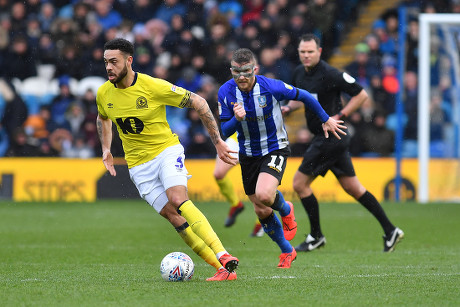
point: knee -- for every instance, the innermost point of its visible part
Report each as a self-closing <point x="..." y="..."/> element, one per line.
<point x="176" y="201"/>
<point x="265" y="197"/>
<point x="219" y="175"/>
<point x="356" y="191"/>
<point x="298" y="186"/>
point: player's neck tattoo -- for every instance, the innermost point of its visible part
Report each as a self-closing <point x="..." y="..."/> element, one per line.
<point x="246" y="71"/>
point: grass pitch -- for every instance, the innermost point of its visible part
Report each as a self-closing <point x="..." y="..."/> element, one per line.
<point x="108" y="254"/>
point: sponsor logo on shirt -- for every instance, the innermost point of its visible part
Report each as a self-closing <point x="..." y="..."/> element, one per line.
<point x="110" y="105"/>
<point x="289" y="87"/>
<point x="258" y="118"/>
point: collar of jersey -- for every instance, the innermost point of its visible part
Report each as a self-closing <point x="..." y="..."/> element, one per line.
<point x="134" y="80"/>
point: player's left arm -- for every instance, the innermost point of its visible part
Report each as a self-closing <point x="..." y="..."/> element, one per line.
<point x="201" y="106"/>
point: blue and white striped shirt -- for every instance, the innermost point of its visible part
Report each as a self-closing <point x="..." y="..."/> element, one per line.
<point x="262" y="131"/>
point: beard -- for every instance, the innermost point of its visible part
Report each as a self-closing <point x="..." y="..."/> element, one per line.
<point x="122" y="74"/>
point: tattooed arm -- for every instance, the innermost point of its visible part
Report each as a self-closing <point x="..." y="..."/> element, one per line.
<point x="201" y="106"/>
<point x="104" y="130"/>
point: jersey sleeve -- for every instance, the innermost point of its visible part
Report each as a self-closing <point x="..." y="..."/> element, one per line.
<point x="170" y="94"/>
<point x="99" y="102"/>
<point x="346" y="83"/>
<point x="225" y="110"/>
<point x="282" y="90"/>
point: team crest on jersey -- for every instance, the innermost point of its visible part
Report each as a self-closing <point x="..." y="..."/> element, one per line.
<point x="141" y="103"/>
<point x="262" y="100"/>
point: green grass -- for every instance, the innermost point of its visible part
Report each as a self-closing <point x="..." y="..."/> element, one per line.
<point x="108" y="254"/>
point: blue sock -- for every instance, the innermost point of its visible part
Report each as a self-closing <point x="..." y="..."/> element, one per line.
<point x="280" y="204"/>
<point x="273" y="228"/>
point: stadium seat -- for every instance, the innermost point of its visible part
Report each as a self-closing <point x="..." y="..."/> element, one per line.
<point x="392" y="121"/>
<point x="410" y="149"/>
<point x="17" y="83"/>
<point x="35" y="86"/>
<point x="54" y="86"/>
<point x="46" y="71"/>
<point x="92" y="82"/>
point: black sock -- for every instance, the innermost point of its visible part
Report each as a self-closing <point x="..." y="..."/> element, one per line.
<point x="311" y="206"/>
<point x="371" y="203"/>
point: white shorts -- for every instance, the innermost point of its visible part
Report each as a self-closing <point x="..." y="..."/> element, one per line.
<point x="232" y="142"/>
<point x="154" y="177"/>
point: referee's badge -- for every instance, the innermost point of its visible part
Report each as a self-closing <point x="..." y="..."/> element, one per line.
<point x="262" y="101"/>
<point x="348" y="78"/>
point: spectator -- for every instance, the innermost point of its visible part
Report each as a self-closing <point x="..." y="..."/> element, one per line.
<point x="233" y="10"/>
<point x="106" y="16"/>
<point x="46" y="16"/>
<point x="75" y="116"/>
<point x="143" y="60"/>
<point x="376" y="138"/>
<point x="249" y="37"/>
<point x="201" y="145"/>
<point x="374" y="54"/>
<point x="303" y="137"/>
<point x="190" y="80"/>
<point x="18" y="18"/>
<point x="360" y="68"/>
<point x="61" y="103"/>
<point x="69" y="63"/>
<point x="47" y="52"/>
<point x="411" y="105"/>
<point x="64" y="33"/>
<point x="4" y="142"/>
<point x="19" y="62"/>
<point x="20" y="145"/>
<point x="323" y="14"/>
<point x="15" y="111"/>
<point x="168" y="9"/>
<point x="93" y="63"/>
<point x="383" y="100"/>
<point x="412" y="40"/>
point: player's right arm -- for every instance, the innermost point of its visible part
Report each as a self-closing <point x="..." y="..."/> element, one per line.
<point x="104" y="130"/>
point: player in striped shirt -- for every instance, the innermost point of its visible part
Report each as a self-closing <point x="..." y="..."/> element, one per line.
<point x="250" y="105"/>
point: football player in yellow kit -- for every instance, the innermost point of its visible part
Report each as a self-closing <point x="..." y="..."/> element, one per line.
<point x="136" y="103"/>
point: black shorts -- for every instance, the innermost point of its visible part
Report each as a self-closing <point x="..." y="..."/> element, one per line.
<point x="328" y="154"/>
<point x="274" y="164"/>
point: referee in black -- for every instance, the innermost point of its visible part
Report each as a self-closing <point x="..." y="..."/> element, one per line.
<point x="327" y="83"/>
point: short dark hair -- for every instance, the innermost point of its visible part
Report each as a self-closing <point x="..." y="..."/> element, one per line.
<point x="121" y="44"/>
<point x="243" y="55"/>
<point x="309" y="37"/>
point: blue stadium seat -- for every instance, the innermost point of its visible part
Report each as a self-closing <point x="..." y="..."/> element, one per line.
<point x="410" y="149"/>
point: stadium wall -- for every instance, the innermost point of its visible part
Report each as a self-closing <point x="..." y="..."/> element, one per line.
<point x="74" y="180"/>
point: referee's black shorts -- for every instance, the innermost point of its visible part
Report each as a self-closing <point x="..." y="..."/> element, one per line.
<point x="328" y="154"/>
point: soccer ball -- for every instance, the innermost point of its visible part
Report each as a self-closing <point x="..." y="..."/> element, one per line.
<point x="177" y="266"/>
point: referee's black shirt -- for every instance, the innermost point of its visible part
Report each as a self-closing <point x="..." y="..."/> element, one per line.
<point x="325" y="83"/>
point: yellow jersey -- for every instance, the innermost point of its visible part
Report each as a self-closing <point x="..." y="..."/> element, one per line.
<point x="139" y="112"/>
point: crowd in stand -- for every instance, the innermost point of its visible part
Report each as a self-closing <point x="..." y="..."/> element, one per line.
<point x="189" y="43"/>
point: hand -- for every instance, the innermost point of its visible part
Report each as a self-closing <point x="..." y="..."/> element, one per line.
<point x="107" y="158"/>
<point x="334" y="126"/>
<point x="285" y="110"/>
<point x="225" y="153"/>
<point x="239" y="111"/>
